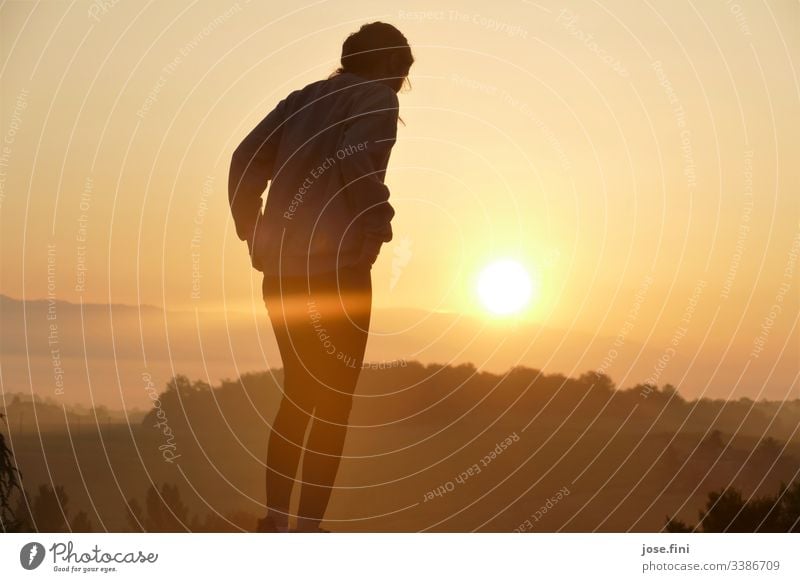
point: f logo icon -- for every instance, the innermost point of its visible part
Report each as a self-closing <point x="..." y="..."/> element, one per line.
<point x="31" y="555"/>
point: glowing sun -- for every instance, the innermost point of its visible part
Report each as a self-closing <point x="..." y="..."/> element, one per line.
<point x="505" y="287"/>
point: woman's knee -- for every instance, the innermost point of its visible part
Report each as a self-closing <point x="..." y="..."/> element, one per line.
<point x="335" y="410"/>
<point x="292" y="412"/>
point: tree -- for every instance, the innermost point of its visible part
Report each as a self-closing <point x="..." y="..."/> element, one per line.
<point x="9" y="482"/>
<point x="22" y="513"/>
<point x="163" y="512"/>
<point x="727" y="511"/>
<point x="135" y="516"/>
<point x="670" y="392"/>
<point x="677" y="526"/>
<point x="81" y="523"/>
<point x="179" y="383"/>
<point x="50" y="509"/>
<point x="600" y="381"/>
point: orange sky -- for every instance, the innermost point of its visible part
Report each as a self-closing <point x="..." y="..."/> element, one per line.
<point x="610" y="148"/>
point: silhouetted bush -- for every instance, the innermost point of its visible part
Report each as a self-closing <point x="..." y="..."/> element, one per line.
<point x="9" y="484"/>
<point x="727" y="511"/>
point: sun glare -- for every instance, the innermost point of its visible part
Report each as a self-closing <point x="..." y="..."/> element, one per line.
<point x="505" y="287"/>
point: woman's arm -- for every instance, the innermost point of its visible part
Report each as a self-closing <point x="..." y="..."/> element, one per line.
<point x="251" y="170"/>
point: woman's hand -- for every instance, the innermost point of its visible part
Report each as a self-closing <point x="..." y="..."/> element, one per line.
<point x="369" y="251"/>
<point x="253" y="248"/>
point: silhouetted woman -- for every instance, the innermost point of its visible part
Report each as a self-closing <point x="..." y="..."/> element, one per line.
<point x="324" y="149"/>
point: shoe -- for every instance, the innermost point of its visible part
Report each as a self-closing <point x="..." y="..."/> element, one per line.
<point x="267" y="525"/>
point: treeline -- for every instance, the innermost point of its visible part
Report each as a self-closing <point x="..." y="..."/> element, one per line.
<point x="436" y="394"/>
<point x="31" y="412"/>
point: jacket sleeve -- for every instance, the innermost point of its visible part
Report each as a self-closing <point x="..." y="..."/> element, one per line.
<point x="251" y="169"/>
<point x="370" y="133"/>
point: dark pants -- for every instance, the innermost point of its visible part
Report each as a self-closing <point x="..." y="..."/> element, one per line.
<point x="321" y="323"/>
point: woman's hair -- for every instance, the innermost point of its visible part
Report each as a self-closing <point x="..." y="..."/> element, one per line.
<point x="372" y="48"/>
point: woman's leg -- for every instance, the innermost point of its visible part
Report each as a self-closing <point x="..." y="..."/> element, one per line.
<point x="346" y="318"/>
<point x="288" y="429"/>
<point x="283" y="455"/>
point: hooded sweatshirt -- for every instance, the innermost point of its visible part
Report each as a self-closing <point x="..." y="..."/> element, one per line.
<point x="323" y="151"/>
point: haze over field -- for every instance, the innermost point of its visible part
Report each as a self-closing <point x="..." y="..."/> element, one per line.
<point x="101" y="357"/>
